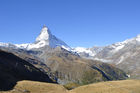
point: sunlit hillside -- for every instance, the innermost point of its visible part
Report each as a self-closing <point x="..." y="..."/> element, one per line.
<point x="125" y="86"/>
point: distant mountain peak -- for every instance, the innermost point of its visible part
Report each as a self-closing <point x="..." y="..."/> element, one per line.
<point x="45" y="38"/>
<point x="44" y="34"/>
<point x="138" y="36"/>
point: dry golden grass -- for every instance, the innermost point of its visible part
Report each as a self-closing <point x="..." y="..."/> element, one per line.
<point x="124" y="86"/>
<point x="37" y="87"/>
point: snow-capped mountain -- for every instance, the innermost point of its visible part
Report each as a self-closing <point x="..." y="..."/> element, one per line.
<point x="104" y="53"/>
<point x="83" y="50"/>
<point x="87" y="52"/>
<point x="125" y="55"/>
<point x="44" y="39"/>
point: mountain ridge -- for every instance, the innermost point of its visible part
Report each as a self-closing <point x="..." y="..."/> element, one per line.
<point x="124" y="55"/>
<point x="116" y="54"/>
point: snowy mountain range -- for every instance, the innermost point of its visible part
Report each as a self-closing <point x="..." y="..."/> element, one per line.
<point x="44" y="39"/>
<point x="122" y="54"/>
<point x="98" y="53"/>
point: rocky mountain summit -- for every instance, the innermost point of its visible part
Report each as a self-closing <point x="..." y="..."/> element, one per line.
<point x="44" y="39"/>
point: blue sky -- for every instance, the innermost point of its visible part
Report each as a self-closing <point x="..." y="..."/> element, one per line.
<point x="77" y="22"/>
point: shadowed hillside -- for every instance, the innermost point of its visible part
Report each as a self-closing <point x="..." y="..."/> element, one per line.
<point x="13" y="69"/>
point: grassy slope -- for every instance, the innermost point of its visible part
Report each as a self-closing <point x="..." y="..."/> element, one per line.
<point x="124" y="86"/>
<point x="36" y="87"/>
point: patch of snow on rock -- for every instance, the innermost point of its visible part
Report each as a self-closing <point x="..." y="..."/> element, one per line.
<point x="83" y="50"/>
<point x="103" y="60"/>
<point x="121" y="59"/>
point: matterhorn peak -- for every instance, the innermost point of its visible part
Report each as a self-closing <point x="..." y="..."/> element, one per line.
<point x="44" y="35"/>
<point x="45" y="38"/>
<point x="138" y="36"/>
